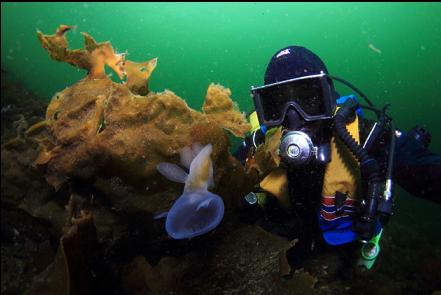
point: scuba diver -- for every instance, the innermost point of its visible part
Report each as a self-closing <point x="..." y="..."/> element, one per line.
<point x="338" y="167"/>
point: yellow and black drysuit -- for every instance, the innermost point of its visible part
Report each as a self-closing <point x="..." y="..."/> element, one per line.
<point x="341" y="186"/>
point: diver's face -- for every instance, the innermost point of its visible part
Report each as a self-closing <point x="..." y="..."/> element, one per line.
<point x="294" y="122"/>
<point x="302" y="139"/>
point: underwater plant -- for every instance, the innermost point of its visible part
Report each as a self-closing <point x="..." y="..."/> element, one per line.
<point x="97" y="125"/>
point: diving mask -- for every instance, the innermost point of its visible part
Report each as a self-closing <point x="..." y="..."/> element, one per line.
<point x="311" y="96"/>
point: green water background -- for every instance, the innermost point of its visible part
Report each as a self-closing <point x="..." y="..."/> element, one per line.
<point x="231" y="43"/>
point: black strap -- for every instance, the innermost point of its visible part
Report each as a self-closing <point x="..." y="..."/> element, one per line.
<point x="305" y="187"/>
<point x="340" y="199"/>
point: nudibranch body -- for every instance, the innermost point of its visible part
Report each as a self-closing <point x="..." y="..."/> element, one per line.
<point x="197" y="211"/>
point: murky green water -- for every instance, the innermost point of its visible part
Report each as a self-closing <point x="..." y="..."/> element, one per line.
<point x="391" y="51"/>
<point x="231" y="44"/>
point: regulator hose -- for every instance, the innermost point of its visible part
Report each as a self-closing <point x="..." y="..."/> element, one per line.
<point x="369" y="170"/>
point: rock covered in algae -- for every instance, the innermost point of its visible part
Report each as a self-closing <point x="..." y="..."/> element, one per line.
<point x="101" y="128"/>
<point x="138" y="74"/>
<point x="223" y="111"/>
<point x="140" y="277"/>
<point x="245" y="261"/>
<point x="20" y="182"/>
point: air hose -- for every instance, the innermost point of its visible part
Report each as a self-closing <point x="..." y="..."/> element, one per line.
<point x="369" y="169"/>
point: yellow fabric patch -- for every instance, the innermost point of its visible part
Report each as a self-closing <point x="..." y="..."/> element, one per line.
<point x="342" y="173"/>
<point x="276" y="183"/>
<point x="254" y="121"/>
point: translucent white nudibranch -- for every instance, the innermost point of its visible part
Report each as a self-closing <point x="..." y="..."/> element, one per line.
<point x="197" y="210"/>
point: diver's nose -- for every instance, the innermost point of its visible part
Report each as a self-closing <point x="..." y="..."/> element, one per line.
<point x="293" y="120"/>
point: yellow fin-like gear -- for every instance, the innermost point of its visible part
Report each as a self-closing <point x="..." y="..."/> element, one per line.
<point x="254" y="121"/>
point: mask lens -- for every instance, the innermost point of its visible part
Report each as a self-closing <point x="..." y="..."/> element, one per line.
<point x="273" y="103"/>
<point x="309" y="97"/>
<point x="306" y="95"/>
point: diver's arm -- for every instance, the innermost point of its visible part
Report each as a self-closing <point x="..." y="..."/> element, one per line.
<point x="416" y="169"/>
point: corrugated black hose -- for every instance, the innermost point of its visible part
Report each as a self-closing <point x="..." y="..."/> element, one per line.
<point x="369" y="170"/>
